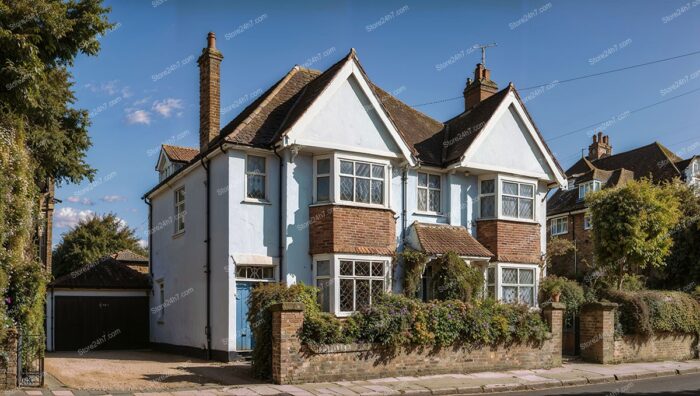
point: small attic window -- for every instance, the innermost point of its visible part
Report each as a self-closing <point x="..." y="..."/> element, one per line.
<point x="570" y="184"/>
<point x="585" y="188"/>
<point x="169" y="169"/>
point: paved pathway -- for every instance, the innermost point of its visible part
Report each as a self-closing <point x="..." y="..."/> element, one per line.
<point x="571" y="374"/>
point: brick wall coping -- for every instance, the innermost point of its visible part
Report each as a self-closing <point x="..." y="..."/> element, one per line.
<point x="345" y="205"/>
<point x="556" y="306"/>
<point x="287" y="307"/>
<point x="321" y="349"/>
<point x="599" y="305"/>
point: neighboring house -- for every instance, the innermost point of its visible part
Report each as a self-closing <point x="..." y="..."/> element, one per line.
<point x="567" y="212"/>
<point x="321" y="180"/>
<point x="103" y="305"/>
<point x="132" y="260"/>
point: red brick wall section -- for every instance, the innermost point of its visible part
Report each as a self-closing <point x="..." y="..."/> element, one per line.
<point x="293" y="362"/>
<point x="347" y="229"/>
<point x="599" y="345"/>
<point x="579" y="266"/>
<point x="511" y="241"/>
<point x="8" y="368"/>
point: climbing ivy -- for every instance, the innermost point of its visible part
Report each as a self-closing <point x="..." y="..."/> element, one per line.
<point x="414" y="265"/>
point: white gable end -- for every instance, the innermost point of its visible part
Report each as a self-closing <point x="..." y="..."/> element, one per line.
<point x="510" y="146"/>
<point x="348" y="120"/>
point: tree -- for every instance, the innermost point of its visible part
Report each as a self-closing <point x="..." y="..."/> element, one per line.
<point x="39" y="40"/>
<point x="633" y="227"/>
<point x="91" y="239"/>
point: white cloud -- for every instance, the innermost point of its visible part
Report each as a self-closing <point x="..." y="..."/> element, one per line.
<point x="166" y="107"/>
<point x="137" y="116"/>
<point x="113" y="198"/>
<point x="142" y="101"/>
<point x="143" y="243"/>
<point x="68" y="217"/>
<point x="77" y="199"/>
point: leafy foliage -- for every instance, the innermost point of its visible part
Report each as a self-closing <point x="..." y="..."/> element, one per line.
<point x="453" y="279"/>
<point x="39" y="40"/>
<point x="646" y="312"/>
<point x="414" y="265"/>
<point x="92" y="238"/>
<point x="572" y="293"/>
<point x="633" y="225"/>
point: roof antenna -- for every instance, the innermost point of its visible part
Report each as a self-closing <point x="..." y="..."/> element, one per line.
<point x="483" y="51"/>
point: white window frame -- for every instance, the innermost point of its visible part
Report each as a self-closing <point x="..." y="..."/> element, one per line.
<point x="499" y="278"/>
<point x="587" y="221"/>
<point x="518" y="197"/>
<point x="587" y="187"/>
<point x="335" y="277"/>
<point x="328" y="278"/>
<point x="498" y="192"/>
<point x="494" y="194"/>
<point x="337" y="157"/>
<point x="265" y="174"/>
<point x="428" y="189"/>
<point x="262" y="267"/>
<point x="556" y="228"/>
<point x="329" y="175"/>
<point x="180" y="210"/>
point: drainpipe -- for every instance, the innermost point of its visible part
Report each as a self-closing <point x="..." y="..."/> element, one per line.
<point x="207" y="271"/>
<point x="404" y="205"/>
<point x="150" y="237"/>
<point x="280" y="217"/>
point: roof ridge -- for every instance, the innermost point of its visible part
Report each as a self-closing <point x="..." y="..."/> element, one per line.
<point x="275" y="90"/>
<point x="669" y="156"/>
<point x="176" y="146"/>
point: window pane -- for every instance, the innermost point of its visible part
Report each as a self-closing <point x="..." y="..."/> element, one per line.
<point x="509" y="275"/>
<point x="240" y="271"/>
<point x="422" y="179"/>
<point x="377" y="192"/>
<point x="434" y="181"/>
<point x="434" y="200"/>
<point x="362" y="190"/>
<point x="510" y="206"/>
<point x="323" y="166"/>
<point x="487" y="186"/>
<point x="346" y="167"/>
<point x="324" y="294"/>
<point x="377" y="268"/>
<point x="256" y="186"/>
<point x="378" y="171"/>
<point x="362" y="268"/>
<point x="525" y="207"/>
<point x="346" y="268"/>
<point x="526" y="277"/>
<point x="268" y="273"/>
<point x="526" y="190"/>
<point x="377" y="289"/>
<point x="422" y="199"/>
<point x="362" y="293"/>
<point x="491" y="275"/>
<point x="510" y="294"/>
<point x="346" y="187"/>
<point x="323" y="268"/>
<point x="526" y="295"/>
<point x="510" y="188"/>
<point x="256" y="164"/>
<point x="346" y="295"/>
<point x="323" y="188"/>
<point x="488" y="207"/>
<point x="361" y="169"/>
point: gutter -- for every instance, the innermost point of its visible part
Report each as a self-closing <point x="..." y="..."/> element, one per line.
<point x="207" y="271"/>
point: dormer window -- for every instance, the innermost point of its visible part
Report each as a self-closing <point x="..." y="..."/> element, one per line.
<point x="585" y="188"/>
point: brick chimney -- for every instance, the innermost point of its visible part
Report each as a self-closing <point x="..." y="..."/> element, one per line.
<point x="600" y="147"/>
<point x="209" y="92"/>
<point x="480" y="88"/>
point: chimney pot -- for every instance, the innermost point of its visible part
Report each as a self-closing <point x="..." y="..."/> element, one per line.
<point x="600" y="148"/>
<point x="211" y="40"/>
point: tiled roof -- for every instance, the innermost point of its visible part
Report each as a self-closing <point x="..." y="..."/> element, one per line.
<point x="442" y="238"/>
<point x="129" y="256"/>
<point x="105" y="273"/>
<point x="179" y="153"/>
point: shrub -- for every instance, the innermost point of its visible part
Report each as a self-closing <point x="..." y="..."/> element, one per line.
<point x="453" y="279"/>
<point x="413" y="264"/>
<point x="572" y="293"/>
<point x="646" y="312"/>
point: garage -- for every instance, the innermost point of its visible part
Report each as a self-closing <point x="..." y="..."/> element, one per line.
<point x="102" y="306"/>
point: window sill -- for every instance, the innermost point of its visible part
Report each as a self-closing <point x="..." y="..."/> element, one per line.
<point x="561" y="233"/>
<point x="352" y="205"/>
<point x="256" y="201"/>
<point x="512" y="219"/>
<point x="178" y="234"/>
<point x="431" y="214"/>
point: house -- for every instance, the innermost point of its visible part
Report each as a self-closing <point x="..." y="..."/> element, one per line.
<point x="567" y="210"/>
<point x="321" y="180"/>
<point x="103" y="305"/>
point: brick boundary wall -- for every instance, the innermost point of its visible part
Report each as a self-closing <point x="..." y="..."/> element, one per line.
<point x="599" y="344"/>
<point x="294" y="362"/>
<point x="8" y="367"/>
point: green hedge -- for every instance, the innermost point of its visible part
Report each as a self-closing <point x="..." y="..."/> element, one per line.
<point x="649" y="311"/>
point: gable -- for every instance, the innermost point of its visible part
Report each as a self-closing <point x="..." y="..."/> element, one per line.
<point x="509" y="146"/>
<point x="349" y="120"/>
<point x="163" y="161"/>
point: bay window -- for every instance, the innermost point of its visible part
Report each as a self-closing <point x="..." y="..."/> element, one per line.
<point x="518" y="200"/>
<point x="323" y="180"/>
<point x="503" y="197"/>
<point x="512" y="283"/>
<point x="428" y="192"/>
<point x="351" y="179"/>
<point x="487" y="199"/>
<point x="349" y="283"/>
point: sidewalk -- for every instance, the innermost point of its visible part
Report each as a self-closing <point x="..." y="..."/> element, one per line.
<point x="571" y="374"/>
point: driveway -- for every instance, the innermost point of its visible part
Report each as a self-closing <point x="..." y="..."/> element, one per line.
<point x="142" y="370"/>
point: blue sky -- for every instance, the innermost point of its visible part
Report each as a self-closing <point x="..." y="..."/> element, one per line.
<point x="142" y="89"/>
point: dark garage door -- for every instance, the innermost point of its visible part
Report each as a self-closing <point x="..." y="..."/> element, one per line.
<point x="88" y="323"/>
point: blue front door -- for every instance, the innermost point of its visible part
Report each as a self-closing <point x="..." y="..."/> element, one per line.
<point x="244" y="336"/>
